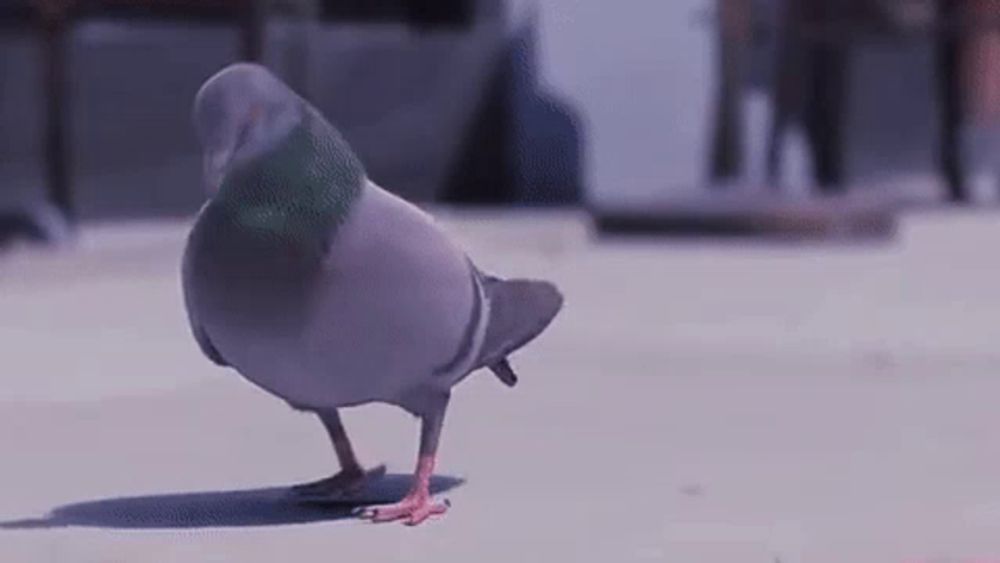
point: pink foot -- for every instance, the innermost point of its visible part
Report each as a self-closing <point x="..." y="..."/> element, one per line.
<point x="415" y="509"/>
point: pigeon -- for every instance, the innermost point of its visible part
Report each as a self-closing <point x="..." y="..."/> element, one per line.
<point x="322" y="288"/>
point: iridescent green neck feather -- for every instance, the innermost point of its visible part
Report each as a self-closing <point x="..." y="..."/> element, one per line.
<point x="301" y="190"/>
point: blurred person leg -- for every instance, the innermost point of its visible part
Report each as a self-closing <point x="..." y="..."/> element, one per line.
<point x="826" y="90"/>
<point x="810" y="88"/>
<point x="825" y="115"/>
<point x="980" y="82"/>
<point x="786" y="87"/>
<point x="728" y="156"/>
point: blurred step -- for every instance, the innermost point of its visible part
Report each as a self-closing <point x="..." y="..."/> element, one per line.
<point x="755" y="214"/>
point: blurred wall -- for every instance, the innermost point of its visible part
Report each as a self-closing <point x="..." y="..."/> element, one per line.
<point x="410" y="101"/>
<point x="20" y="124"/>
<point x="641" y="77"/>
<point x="893" y="124"/>
<point x="132" y="146"/>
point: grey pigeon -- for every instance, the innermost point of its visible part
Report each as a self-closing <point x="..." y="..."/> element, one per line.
<point x="328" y="291"/>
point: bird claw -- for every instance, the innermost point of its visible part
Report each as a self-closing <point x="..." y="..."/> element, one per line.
<point x="414" y="509"/>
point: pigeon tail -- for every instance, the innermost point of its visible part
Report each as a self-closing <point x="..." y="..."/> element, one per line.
<point x="519" y="311"/>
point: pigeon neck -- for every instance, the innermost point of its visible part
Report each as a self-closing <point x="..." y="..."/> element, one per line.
<point x="301" y="189"/>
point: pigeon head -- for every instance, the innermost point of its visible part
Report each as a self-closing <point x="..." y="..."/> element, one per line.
<point x="240" y="113"/>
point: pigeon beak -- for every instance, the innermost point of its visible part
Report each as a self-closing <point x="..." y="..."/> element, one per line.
<point x="214" y="165"/>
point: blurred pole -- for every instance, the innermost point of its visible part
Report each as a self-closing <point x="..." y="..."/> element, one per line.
<point x="252" y="29"/>
<point x="728" y="143"/>
<point x="54" y="16"/>
<point x="949" y="82"/>
<point x="303" y="17"/>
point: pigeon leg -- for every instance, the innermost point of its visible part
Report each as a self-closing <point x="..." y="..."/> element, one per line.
<point x="417" y="506"/>
<point x="351" y="478"/>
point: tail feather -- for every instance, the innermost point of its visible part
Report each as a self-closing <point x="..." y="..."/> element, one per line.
<point x="519" y="311"/>
<point x="504" y="372"/>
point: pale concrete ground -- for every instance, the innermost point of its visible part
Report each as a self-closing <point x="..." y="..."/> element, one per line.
<point x="700" y="401"/>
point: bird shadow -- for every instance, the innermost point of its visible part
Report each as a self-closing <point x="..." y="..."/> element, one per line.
<point x="271" y="506"/>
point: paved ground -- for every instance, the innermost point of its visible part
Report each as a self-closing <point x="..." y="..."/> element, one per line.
<point x="698" y="401"/>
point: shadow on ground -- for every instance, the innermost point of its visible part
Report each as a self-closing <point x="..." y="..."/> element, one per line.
<point x="252" y="507"/>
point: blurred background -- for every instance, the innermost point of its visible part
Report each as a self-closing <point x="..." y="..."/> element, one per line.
<point x="773" y="221"/>
<point x="517" y="102"/>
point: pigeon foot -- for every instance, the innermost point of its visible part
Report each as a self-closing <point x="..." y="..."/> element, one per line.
<point x="416" y="508"/>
